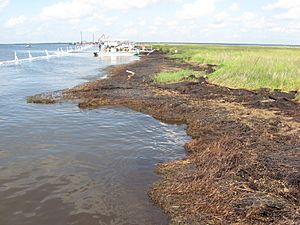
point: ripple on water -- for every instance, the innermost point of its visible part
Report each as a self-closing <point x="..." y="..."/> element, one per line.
<point x="62" y="165"/>
<point x="89" y="169"/>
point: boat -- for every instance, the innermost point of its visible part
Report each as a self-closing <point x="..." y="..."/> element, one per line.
<point x="114" y="48"/>
<point x="28" y="46"/>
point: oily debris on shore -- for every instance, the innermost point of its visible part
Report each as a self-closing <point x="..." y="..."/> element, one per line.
<point x="243" y="163"/>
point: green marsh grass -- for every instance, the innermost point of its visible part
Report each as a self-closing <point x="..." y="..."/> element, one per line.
<point x="247" y="67"/>
<point x="297" y="97"/>
<point x="175" y="76"/>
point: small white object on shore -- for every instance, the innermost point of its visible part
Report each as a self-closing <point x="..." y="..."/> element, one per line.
<point x="131" y="74"/>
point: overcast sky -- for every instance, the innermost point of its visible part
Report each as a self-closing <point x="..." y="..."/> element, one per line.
<point x="230" y="21"/>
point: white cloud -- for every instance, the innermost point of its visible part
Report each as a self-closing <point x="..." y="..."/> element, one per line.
<point x="198" y="8"/>
<point x="75" y="9"/>
<point x="153" y="30"/>
<point x="66" y="10"/>
<point x="172" y="24"/>
<point x="105" y="20"/>
<point x="3" y="3"/>
<point x="252" y="21"/>
<point x="13" y="22"/>
<point x="283" y="4"/>
<point x="220" y="20"/>
<point x="216" y="25"/>
<point x="142" y="22"/>
<point x="158" y="21"/>
<point x="221" y="17"/>
<point x="292" y="8"/>
<point x="129" y="32"/>
<point x="234" y="7"/>
<point x="123" y="5"/>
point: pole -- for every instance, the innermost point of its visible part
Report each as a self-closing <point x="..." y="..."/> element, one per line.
<point x="81" y="36"/>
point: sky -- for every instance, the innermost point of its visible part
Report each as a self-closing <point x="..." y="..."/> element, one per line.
<point x="201" y="21"/>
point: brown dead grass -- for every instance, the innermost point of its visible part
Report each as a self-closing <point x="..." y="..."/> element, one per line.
<point x="224" y="182"/>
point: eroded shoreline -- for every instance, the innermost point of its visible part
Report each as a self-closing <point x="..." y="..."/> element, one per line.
<point x="242" y="165"/>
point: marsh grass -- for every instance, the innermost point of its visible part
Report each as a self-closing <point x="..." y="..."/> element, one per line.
<point x="176" y="76"/>
<point x="247" y="67"/>
<point x="297" y="98"/>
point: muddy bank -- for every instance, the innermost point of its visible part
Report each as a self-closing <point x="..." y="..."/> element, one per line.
<point x="242" y="165"/>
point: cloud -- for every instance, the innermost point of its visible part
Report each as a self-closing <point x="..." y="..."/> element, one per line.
<point x="66" y="10"/>
<point x="16" y="21"/>
<point x="76" y="9"/>
<point x="129" y="32"/>
<point x="234" y="7"/>
<point x="216" y="25"/>
<point x="172" y="24"/>
<point x="252" y="21"/>
<point x="3" y="3"/>
<point x="123" y="5"/>
<point x="220" y="20"/>
<point x="198" y="8"/>
<point x="221" y="17"/>
<point x="291" y="8"/>
<point x="283" y="4"/>
<point x="105" y="20"/>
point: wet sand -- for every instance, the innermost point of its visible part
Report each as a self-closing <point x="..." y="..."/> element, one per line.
<point x="243" y="162"/>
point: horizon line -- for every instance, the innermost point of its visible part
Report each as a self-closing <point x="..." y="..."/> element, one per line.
<point x="170" y="42"/>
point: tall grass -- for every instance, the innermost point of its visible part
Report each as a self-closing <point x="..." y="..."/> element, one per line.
<point x="174" y="76"/>
<point x="245" y="66"/>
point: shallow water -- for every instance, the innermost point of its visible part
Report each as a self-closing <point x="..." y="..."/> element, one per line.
<point x="63" y="165"/>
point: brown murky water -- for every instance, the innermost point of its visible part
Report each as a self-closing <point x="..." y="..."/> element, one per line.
<point x="60" y="165"/>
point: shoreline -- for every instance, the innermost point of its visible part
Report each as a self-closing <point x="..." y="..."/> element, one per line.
<point x="241" y="165"/>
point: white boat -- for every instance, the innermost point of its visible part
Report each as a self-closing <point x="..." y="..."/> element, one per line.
<point x="115" y="48"/>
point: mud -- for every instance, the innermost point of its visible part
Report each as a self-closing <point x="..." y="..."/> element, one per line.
<point x="243" y="163"/>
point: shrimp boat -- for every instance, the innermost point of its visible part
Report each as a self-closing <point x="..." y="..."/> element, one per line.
<point x="115" y="48"/>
